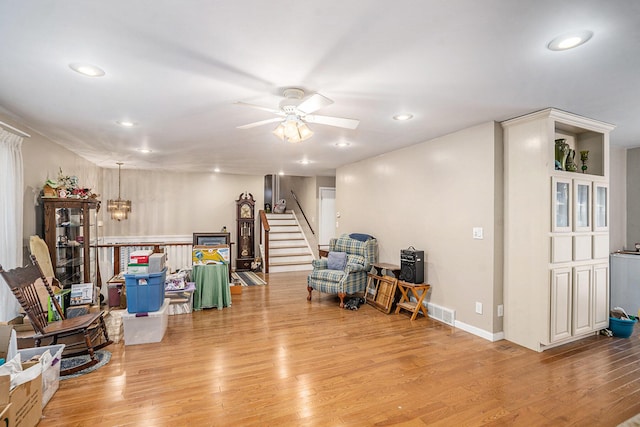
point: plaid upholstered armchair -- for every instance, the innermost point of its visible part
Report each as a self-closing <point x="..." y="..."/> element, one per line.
<point x="351" y="278"/>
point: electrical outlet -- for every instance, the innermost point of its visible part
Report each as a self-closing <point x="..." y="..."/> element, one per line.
<point x="479" y="307"/>
<point x="500" y="310"/>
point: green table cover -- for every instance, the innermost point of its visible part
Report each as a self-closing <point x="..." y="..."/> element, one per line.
<point x="212" y="286"/>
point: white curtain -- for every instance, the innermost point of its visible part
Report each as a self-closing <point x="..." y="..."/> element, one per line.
<point x="11" y="207"/>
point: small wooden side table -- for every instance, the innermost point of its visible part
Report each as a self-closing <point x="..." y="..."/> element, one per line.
<point x="379" y="266"/>
<point x="418" y="291"/>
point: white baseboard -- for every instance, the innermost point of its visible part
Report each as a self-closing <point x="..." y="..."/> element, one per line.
<point x="480" y="332"/>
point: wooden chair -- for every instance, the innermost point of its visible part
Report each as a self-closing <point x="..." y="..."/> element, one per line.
<point x="82" y="334"/>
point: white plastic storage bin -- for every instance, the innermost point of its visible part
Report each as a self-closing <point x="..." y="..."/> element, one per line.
<point x="50" y="368"/>
<point x="144" y="328"/>
<point x="181" y="300"/>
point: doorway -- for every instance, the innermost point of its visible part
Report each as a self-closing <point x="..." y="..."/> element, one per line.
<point x="327" y="223"/>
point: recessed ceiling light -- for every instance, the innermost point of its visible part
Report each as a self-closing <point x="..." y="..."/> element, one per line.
<point x="342" y="144"/>
<point x="402" y="117"/>
<point x="144" y="150"/>
<point x="304" y="162"/>
<point x="281" y="173"/>
<point x="87" y="69"/>
<point x="126" y="123"/>
<point x="216" y="170"/>
<point x="570" y="40"/>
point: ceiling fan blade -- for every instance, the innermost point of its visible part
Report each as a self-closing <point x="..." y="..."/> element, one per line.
<point x="259" y="107"/>
<point x="333" y="121"/>
<point x="260" y="123"/>
<point x="314" y="103"/>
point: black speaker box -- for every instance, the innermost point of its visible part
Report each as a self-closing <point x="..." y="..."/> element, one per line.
<point x="412" y="266"/>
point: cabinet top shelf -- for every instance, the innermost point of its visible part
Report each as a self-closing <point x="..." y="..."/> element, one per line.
<point x="563" y="120"/>
<point x="70" y="202"/>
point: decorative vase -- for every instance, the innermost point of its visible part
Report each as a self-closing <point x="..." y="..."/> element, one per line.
<point x="562" y="150"/>
<point x="584" y="157"/>
<point x="570" y="164"/>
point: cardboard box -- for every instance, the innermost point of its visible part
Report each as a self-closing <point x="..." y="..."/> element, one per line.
<point x="215" y="254"/>
<point x="81" y="293"/>
<point x="138" y="269"/>
<point x="140" y="257"/>
<point x="5" y="382"/>
<point x="157" y="262"/>
<point x="26" y="399"/>
<point x="5" y="420"/>
<point x="64" y="297"/>
<point x="5" y="406"/>
<point x="8" y="342"/>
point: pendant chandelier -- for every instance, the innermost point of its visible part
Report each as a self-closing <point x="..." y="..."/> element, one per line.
<point x="119" y="208"/>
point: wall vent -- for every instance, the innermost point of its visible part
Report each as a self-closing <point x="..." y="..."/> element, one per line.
<point x="445" y="315"/>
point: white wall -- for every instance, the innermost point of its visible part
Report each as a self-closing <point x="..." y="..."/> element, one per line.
<point x="618" y="199"/>
<point x="430" y="196"/>
<point x="633" y="197"/>
<point x="172" y="203"/>
<point x="42" y="160"/>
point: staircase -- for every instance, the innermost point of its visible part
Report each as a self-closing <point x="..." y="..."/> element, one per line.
<point x="288" y="248"/>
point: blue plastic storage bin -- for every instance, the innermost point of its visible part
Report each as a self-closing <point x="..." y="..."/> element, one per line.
<point x="145" y="292"/>
<point x="622" y="328"/>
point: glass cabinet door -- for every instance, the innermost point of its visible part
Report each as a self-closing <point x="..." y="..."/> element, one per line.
<point x="561" y="204"/>
<point x="600" y="214"/>
<point x="69" y="245"/>
<point x="582" y="191"/>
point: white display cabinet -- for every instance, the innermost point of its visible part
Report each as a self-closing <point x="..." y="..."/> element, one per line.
<point x="556" y="229"/>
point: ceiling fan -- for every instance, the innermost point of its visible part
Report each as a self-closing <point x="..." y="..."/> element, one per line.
<point x="294" y="114"/>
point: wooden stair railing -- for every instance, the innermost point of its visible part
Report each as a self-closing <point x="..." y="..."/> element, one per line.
<point x="264" y="226"/>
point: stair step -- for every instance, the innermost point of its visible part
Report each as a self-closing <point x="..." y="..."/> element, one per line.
<point x="302" y="250"/>
<point x="292" y="267"/>
<point x="287" y="244"/>
<point x="272" y="216"/>
<point x="290" y="259"/>
<point x="286" y="236"/>
<point x="291" y="221"/>
<point x="284" y="229"/>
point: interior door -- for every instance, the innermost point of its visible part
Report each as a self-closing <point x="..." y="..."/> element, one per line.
<point x="327" y="223"/>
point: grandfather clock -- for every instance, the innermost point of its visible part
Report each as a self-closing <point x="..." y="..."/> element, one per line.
<point x="245" y="231"/>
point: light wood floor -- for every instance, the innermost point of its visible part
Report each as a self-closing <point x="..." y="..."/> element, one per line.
<point x="274" y="359"/>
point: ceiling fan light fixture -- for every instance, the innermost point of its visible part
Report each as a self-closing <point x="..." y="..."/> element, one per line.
<point x="304" y="131"/>
<point x="293" y="130"/>
<point x="279" y="131"/>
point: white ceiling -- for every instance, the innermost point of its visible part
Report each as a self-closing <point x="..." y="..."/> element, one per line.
<point x="178" y="67"/>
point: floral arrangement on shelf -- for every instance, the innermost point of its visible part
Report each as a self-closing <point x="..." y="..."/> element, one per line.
<point x="66" y="187"/>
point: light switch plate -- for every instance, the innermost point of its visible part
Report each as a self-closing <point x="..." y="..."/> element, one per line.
<point x="478" y="233"/>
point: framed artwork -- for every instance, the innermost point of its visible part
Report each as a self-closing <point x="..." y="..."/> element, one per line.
<point x="211" y="239"/>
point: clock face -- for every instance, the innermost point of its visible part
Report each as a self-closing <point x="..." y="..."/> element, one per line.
<point x="245" y="211"/>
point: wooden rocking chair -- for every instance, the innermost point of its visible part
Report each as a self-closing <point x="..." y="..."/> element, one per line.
<point x="87" y="328"/>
